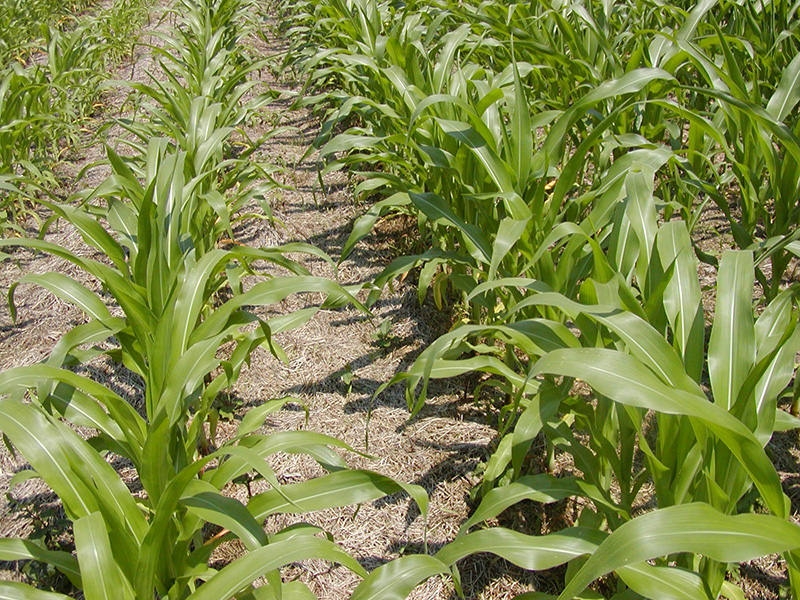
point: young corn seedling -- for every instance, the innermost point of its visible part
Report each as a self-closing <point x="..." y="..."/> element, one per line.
<point x="704" y="460"/>
<point x="44" y="102"/>
<point x="156" y="542"/>
<point x="490" y="210"/>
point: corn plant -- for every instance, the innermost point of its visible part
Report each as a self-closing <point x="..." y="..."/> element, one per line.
<point x="135" y="546"/>
<point x="761" y="143"/>
<point x="197" y="108"/>
<point x="385" y="64"/>
<point x="21" y="20"/>
<point x="463" y="149"/>
<point x="544" y="149"/>
<point x="226" y="178"/>
<point x="26" y="135"/>
<point x="694" y="451"/>
<point x="205" y="51"/>
<point x="76" y="65"/>
<point x="156" y="542"/>
<point x="478" y="164"/>
<point x="702" y="458"/>
<point x="45" y="101"/>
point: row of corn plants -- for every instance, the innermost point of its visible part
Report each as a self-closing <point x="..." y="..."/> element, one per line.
<point x="50" y="81"/>
<point x="177" y="310"/>
<point x="22" y="21"/>
<point x="559" y="159"/>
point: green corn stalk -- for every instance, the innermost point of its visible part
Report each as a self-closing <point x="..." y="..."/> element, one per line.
<point x="641" y="348"/>
<point x="690" y="450"/>
<point x="460" y="147"/>
<point x="738" y="98"/>
<point x="45" y="103"/>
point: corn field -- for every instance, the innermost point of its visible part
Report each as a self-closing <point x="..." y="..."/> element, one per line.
<point x="598" y="201"/>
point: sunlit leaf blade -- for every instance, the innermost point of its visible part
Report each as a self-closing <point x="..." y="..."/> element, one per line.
<point x="335" y="489"/>
<point x="396" y="579"/>
<point x="13" y="549"/>
<point x="101" y="576"/>
<point x="731" y="349"/>
<point x="12" y="590"/>
<point x="243" y="571"/>
<point x="696" y="528"/>
<point x="625" y="380"/>
<point x="526" y="551"/>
